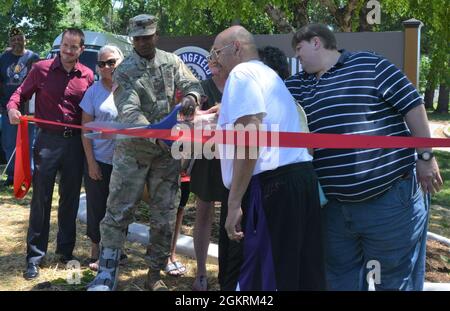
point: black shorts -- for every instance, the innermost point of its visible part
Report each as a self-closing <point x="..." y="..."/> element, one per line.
<point x="206" y="180"/>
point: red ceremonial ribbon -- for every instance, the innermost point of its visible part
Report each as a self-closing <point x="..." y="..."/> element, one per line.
<point x="22" y="173"/>
<point x="22" y="169"/>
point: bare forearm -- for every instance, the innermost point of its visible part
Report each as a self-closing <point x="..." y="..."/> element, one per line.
<point x="88" y="151"/>
<point x="417" y="122"/>
<point x="87" y="143"/>
<point x="243" y="168"/>
<point x="242" y="174"/>
<point x="428" y="173"/>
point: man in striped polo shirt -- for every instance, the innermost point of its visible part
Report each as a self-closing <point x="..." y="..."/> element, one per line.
<point x="378" y="198"/>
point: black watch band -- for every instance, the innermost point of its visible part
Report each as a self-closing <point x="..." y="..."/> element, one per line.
<point x="425" y="155"/>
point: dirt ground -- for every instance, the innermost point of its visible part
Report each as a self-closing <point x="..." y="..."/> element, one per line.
<point x="438" y="262"/>
<point x="54" y="275"/>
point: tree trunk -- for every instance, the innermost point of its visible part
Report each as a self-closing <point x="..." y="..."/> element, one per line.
<point x="301" y="16"/>
<point x="342" y="15"/>
<point x="443" y="99"/>
<point x="279" y="19"/>
<point x="429" y="97"/>
<point x="363" y="24"/>
<point x="344" y="20"/>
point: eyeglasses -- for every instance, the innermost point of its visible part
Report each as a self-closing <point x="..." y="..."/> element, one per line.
<point x="214" y="54"/>
<point x="109" y="62"/>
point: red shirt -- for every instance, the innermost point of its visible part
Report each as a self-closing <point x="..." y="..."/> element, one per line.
<point x="58" y="93"/>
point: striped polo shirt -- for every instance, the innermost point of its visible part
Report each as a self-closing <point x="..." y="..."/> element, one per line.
<point x="362" y="94"/>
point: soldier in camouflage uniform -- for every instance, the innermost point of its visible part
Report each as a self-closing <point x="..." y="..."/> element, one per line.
<point x="146" y="82"/>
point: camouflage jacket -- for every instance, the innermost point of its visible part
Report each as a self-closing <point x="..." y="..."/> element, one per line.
<point x="145" y="90"/>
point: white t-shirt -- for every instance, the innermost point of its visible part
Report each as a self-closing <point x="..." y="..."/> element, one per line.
<point x="254" y="88"/>
<point x="99" y="103"/>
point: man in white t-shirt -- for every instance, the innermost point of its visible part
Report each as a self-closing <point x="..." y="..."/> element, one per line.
<point x="273" y="204"/>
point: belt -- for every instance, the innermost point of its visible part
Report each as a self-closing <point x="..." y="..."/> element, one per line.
<point x="66" y="133"/>
<point x="300" y="167"/>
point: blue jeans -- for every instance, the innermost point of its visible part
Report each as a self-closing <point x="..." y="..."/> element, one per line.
<point x="9" y="134"/>
<point x="390" y="229"/>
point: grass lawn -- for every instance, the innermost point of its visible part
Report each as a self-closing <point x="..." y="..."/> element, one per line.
<point x="440" y="202"/>
<point x="443" y="197"/>
<point x="437" y="117"/>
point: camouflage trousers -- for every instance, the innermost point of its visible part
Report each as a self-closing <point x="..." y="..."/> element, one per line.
<point x="132" y="169"/>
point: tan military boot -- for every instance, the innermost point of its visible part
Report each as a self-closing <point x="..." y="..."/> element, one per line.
<point x="154" y="282"/>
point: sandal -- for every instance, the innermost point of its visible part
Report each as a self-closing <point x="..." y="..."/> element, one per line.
<point x="200" y="284"/>
<point x="180" y="267"/>
<point x="175" y="268"/>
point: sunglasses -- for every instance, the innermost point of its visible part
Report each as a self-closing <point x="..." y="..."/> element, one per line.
<point x="109" y="62"/>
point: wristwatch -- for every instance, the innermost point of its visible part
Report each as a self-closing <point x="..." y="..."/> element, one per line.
<point x="425" y="156"/>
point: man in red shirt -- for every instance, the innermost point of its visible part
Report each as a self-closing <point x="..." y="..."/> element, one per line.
<point x="59" y="85"/>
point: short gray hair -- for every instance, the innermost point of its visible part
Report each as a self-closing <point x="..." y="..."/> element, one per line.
<point x="113" y="49"/>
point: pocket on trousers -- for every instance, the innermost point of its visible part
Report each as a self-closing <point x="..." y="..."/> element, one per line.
<point x="405" y="190"/>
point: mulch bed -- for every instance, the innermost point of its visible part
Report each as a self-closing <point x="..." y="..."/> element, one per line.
<point x="438" y="262"/>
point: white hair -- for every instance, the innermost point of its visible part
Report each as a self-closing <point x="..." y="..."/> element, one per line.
<point x="113" y="49"/>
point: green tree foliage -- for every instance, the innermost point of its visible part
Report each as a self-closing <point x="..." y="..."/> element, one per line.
<point x="44" y="19"/>
<point x="39" y="20"/>
<point x="434" y="42"/>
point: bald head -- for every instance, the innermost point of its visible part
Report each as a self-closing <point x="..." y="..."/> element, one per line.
<point x="238" y="33"/>
<point x="241" y="35"/>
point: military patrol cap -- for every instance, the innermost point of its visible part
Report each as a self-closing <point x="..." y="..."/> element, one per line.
<point x="142" y="25"/>
<point x="14" y="31"/>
